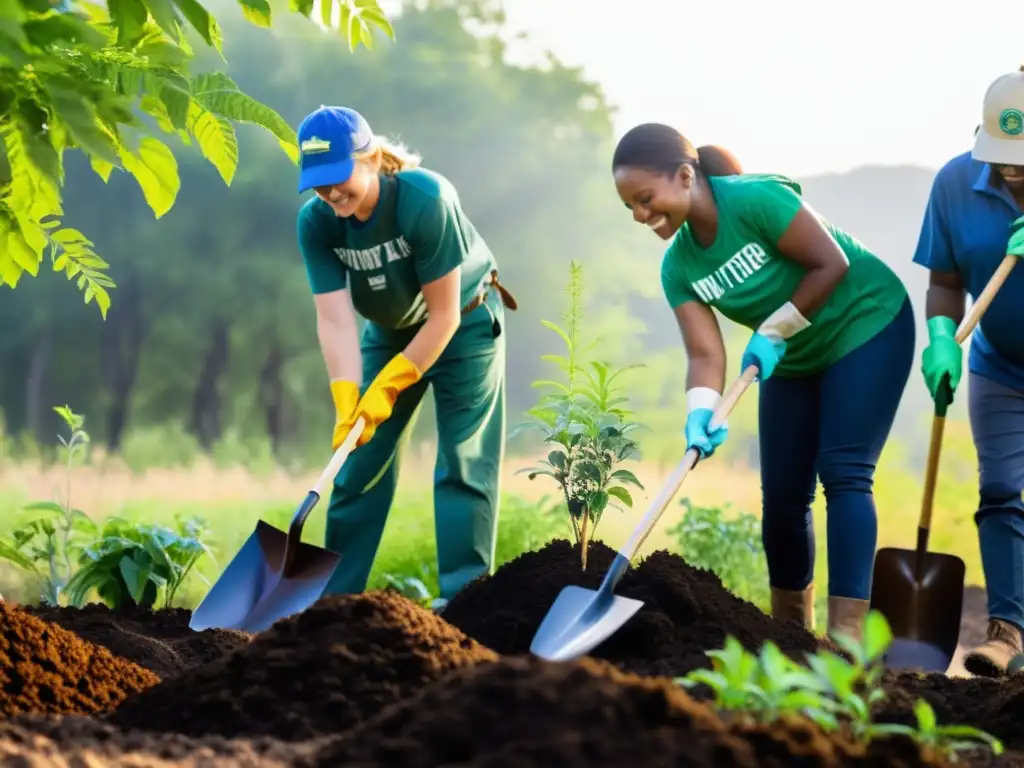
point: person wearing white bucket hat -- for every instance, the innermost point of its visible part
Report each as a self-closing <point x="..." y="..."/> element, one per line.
<point x="972" y="221"/>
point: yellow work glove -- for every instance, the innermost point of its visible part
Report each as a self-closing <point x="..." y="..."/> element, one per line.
<point x="346" y="397"/>
<point x="375" y="406"/>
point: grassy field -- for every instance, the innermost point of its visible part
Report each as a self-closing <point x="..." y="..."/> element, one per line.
<point x="233" y="499"/>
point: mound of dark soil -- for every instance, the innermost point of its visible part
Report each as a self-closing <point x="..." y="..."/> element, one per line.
<point x="46" y="669"/>
<point x="157" y="640"/>
<point x="686" y="611"/>
<point x="77" y="740"/>
<point x="527" y="712"/>
<point x="994" y="706"/>
<point x="321" y="672"/>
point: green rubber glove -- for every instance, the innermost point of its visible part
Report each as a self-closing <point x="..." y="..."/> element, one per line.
<point x="1016" y="245"/>
<point x="942" y="356"/>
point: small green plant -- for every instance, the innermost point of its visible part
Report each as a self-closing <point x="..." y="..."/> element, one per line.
<point x="834" y="693"/>
<point x="138" y="563"/>
<point x="584" y="419"/>
<point x="762" y="687"/>
<point x="730" y="547"/>
<point x="414" y="588"/>
<point x="49" y="543"/>
<point x="946" y="740"/>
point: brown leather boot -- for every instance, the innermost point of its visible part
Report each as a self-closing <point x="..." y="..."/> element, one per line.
<point x="789" y="605"/>
<point x="846" y="615"/>
<point x="991" y="657"/>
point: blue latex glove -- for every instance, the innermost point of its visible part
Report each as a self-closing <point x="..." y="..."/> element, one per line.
<point x="763" y="352"/>
<point x="697" y="435"/>
<point x="1016" y="244"/>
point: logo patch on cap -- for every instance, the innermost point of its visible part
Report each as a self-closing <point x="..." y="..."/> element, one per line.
<point x="1011" y="122"/>
<point x="315" y="146"/>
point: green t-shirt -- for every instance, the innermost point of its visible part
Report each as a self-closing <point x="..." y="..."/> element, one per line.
<point x="416" y="234"/>
<point x="745" y="276"/>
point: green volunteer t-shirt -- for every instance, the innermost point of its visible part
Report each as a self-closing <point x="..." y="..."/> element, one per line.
<point x="745" y="276"/>
<point x="416" y="234"/>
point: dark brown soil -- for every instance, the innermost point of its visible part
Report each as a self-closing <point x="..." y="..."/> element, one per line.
<point x="77" y="739"/>
<point x="527" y="712"/>
<point x="994" y="706"/>
<point x="686" y="610"/>
<point x="157" y="640"/>
<point x="321" y="672"/>
<point x="375" y="680"/>
<point x="46" y="669"/>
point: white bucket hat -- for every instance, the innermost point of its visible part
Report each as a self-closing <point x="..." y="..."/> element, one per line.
<point x="1000" y="138"/>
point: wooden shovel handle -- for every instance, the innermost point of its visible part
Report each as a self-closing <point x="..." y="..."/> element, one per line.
<point x="985" y="298"/>
<point x="679" y="474"/>
<point x="967" y="327"/>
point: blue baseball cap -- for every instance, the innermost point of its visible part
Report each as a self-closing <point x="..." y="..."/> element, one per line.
<point x="328" y="138"/>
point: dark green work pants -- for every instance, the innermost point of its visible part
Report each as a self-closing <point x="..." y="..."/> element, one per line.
<point x="468" y="381"/>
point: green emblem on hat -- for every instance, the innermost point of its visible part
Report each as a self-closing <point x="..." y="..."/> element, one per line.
<point x="313" y="145"/>
<point x="1011" y="122"/>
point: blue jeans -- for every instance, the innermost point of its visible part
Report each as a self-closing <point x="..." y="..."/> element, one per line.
<point x="831" y="425"/>
<point x="997" y="421"/>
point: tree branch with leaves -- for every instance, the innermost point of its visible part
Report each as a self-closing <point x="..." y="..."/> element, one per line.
<point x="108" y="81"/>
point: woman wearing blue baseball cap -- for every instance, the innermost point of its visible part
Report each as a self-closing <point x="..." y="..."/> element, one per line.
<point x="389" y="240"/>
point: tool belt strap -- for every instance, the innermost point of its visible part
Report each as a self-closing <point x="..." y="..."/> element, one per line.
<point x="507" y="299"/>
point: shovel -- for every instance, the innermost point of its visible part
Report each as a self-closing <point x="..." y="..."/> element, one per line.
<point x="581" y="619"/>
<point x="921" y="593"/>
<point x="275" y="574"/>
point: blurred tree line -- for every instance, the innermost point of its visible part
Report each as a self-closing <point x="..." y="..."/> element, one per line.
<point x="212" y="332"/>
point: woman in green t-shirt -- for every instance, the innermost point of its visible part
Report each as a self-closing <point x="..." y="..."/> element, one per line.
<point x="387" y="240"/>
<point x="833" y="339"/>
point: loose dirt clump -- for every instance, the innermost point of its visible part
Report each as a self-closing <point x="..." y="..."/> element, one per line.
<point x="527" y="712"/>
<point x="321" y="672"/>
<point x="74" y="740"/>
<point x="686" y="611"/>
<point x="157" y="640"/>
<point x="46" y="669"/>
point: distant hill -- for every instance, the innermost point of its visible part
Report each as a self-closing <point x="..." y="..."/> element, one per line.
<point x="882" y="206"/>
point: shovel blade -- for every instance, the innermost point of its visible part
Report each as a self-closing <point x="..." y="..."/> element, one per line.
<point x="252" y="592"/>
<point x="924" y="615"/>
<point x="580" y="620"/>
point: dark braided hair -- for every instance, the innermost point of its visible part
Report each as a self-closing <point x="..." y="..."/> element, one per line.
<point x="662" y="149"/>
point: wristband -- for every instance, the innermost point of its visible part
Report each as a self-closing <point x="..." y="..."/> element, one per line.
<point x="784" y="323"/>
<point x="702" y="397"/>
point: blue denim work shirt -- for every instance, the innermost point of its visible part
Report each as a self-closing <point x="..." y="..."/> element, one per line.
<point x="965" y="230"/>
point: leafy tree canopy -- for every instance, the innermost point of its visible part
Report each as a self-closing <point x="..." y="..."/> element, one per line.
<point x="114" y="81"/>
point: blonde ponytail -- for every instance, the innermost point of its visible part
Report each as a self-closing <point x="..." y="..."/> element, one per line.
<point x="394" y="156"/>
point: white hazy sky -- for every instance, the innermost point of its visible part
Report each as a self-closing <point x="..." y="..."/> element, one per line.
<point x="794" y="86"/>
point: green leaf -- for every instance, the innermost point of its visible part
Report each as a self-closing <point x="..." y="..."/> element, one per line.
<point x="135" y="577"/>
<point x="926" y="721"/>
<point x="45" y="506"/>
<point x="621" y="494"/>
<point x="9" y="553"/>
<point x="128" y="16"/>
<point x="877" y="635"/>
<point x="155" y="169"/>
<point x="165" y="16"/>
<point x="557" y="459"/>
<point x="258" y="11"/>
<point x="625" y="476"/>
<point x="218" y="93"/>
<point x="216" y="139"/>
<point x="203" y="22"/>
<point x="101" y="167"/>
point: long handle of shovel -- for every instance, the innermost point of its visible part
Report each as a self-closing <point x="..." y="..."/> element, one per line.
<point x="318" y="490"/>
<point x="675" y="480"/>
<point x="944" y="397"/>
